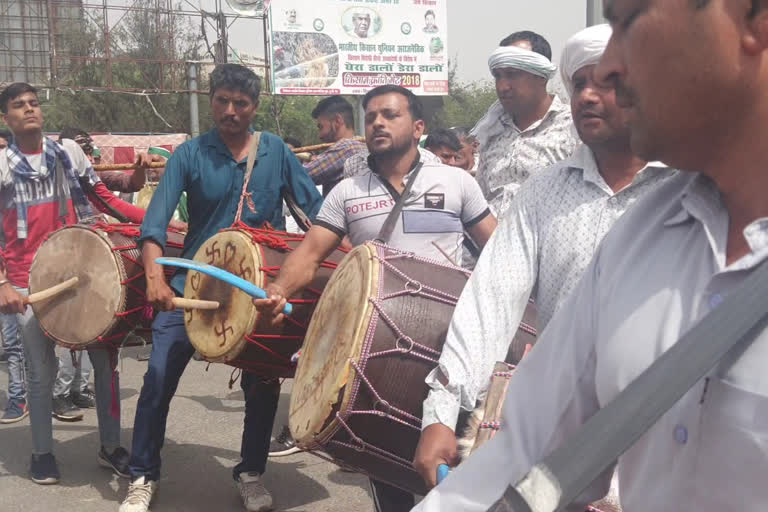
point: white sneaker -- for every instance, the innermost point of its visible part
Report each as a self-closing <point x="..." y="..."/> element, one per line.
<point x="139" y="496"/>
<point x="256" y="497"/>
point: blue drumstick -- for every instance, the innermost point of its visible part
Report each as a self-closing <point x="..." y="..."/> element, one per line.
<point x="442" y="471"/>
<point x="222" y="275"/>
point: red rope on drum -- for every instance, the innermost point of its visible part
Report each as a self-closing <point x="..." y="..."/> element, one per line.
<point x="251" y="339"/>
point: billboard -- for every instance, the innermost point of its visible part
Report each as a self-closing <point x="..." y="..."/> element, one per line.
<point x="327" y="47"/>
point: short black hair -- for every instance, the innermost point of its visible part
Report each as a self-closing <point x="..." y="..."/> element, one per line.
<point x="236" y="77"/>
<point x="14" y="91"/>
<point x="5" y="134"/>
<point x="538" y="43"/>
<point x="335" y="105"/>
<point x="414" y="103"/>
<point x="428" y="13"/>
<point x="462" y="132"/>
<point x="442" y="138"/>
<point x="292" y="141"/>
<point x="70" y="132"/>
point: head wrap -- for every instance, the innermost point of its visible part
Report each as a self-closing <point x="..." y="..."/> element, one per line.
<point x="583" y="49"/>
<point x="516" y="58"/>
<point x="524" y="60"/>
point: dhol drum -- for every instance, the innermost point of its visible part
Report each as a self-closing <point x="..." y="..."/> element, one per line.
<point x="109" y="302"/>
<point x="377" y="332"/>
<point x="234" y="333"/>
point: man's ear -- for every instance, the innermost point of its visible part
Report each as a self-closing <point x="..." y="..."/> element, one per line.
<point x="418" y="128"/>
<point x="755" y="37"/>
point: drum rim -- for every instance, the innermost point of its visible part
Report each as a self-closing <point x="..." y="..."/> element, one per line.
<point x="122" y="273"/>
<point x="237" y="348"/>
<point x="328" y="426"/>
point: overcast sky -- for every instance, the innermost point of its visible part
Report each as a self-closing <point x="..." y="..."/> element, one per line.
<point x="475" y="28"/>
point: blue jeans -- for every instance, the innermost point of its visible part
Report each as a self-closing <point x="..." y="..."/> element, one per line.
<point x="171" y="351"/>
<point x="43" y="364"/>
<point x="71" y="378"/>
<point x="13" y="347"/>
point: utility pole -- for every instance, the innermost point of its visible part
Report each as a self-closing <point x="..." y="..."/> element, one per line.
<point x="594" y="12"/>
<point x="194" y="115"/>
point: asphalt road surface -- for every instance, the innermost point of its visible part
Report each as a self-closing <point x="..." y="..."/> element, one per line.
<point x="201" y="447"/>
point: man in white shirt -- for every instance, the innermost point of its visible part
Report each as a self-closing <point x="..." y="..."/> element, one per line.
<point x="545" y="241"/>
<point x="527" y="129"/>
<point x="443" y="203"/>
<point x="667" y="263"/>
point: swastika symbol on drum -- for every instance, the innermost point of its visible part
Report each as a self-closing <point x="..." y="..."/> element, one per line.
<point x="222" y="333"/>
<point x="245" y="271"/>
<point x="188" y="315"/>
<point x="195" y="281"/>
<point x="212" y="252"/>
<point x="230" y="251"/>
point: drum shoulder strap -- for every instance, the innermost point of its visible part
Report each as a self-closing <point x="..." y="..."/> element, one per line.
<point x="391" y="221"/>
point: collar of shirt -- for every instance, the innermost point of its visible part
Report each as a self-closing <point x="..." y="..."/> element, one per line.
<point x="392" y="191"/>
<point x="213" y="139"/>
<point x="700" y="201"/>
<point x="555" y="109"/>
<point x="583" y="159"/>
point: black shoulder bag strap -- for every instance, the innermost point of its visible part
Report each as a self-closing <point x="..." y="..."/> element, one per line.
<point x="385" y="233"/>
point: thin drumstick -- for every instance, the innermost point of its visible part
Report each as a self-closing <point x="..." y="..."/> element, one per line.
<point x="52" y="291"/>
<point x="318" y="147"/>
<point x="180" y="302"/>
<point x="126" y="167"/>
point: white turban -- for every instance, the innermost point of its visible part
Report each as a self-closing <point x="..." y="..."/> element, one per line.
<point x="516" y="58"/>
<point x="524" y="60"/>
<point x="583" y="49"/>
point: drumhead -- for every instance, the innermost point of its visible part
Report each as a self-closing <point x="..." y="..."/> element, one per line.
<point x="219" y="335"/>
<point x="336" y="334"/>
<point x="82" y="314"/>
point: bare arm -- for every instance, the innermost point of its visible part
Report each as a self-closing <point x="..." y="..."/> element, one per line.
<point x="11" y="301"/>
<point x="159" y="294"/>
<point x="298" y="270"/>
<point x="482" y="231"/>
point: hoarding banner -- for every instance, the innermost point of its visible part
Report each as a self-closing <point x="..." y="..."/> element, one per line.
<point x="327" y="47"/>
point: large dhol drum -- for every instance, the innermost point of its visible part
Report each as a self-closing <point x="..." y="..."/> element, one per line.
<point x="377" y="332"/>
<point x="109" y="301"/>
<point x="234" y="333"/>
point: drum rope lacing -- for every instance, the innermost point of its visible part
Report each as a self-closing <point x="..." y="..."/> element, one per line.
<point x="148" y="312"/>
<point x="403" y="345"/>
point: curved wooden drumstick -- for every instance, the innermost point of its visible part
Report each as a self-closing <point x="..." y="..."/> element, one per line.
<point x="180" y="302"/>
<point x="51" y="292"/>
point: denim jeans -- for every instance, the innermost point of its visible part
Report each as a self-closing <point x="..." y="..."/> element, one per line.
<point x="15" y="352"/>
<point x="171" y="351"/>
<point x="43" y="365"/>
<point x="73" y="376"/>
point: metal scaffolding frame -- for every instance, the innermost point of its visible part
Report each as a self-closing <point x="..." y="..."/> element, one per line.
<point x="36" y="43"/>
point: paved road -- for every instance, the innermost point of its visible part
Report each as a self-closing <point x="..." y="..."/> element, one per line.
<point x="202" y="445"/>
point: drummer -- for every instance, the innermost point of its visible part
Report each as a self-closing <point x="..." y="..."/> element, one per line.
<point x="211" y="169"/>
<point x="444" y="201"/>
<point x="30" y="205"/>
<point x="547" y="238"/>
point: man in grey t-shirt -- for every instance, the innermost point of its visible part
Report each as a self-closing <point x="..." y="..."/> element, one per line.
<point x="442" y="204"/>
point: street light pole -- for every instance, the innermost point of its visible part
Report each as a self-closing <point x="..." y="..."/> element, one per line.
<point x="594" y="12"/>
